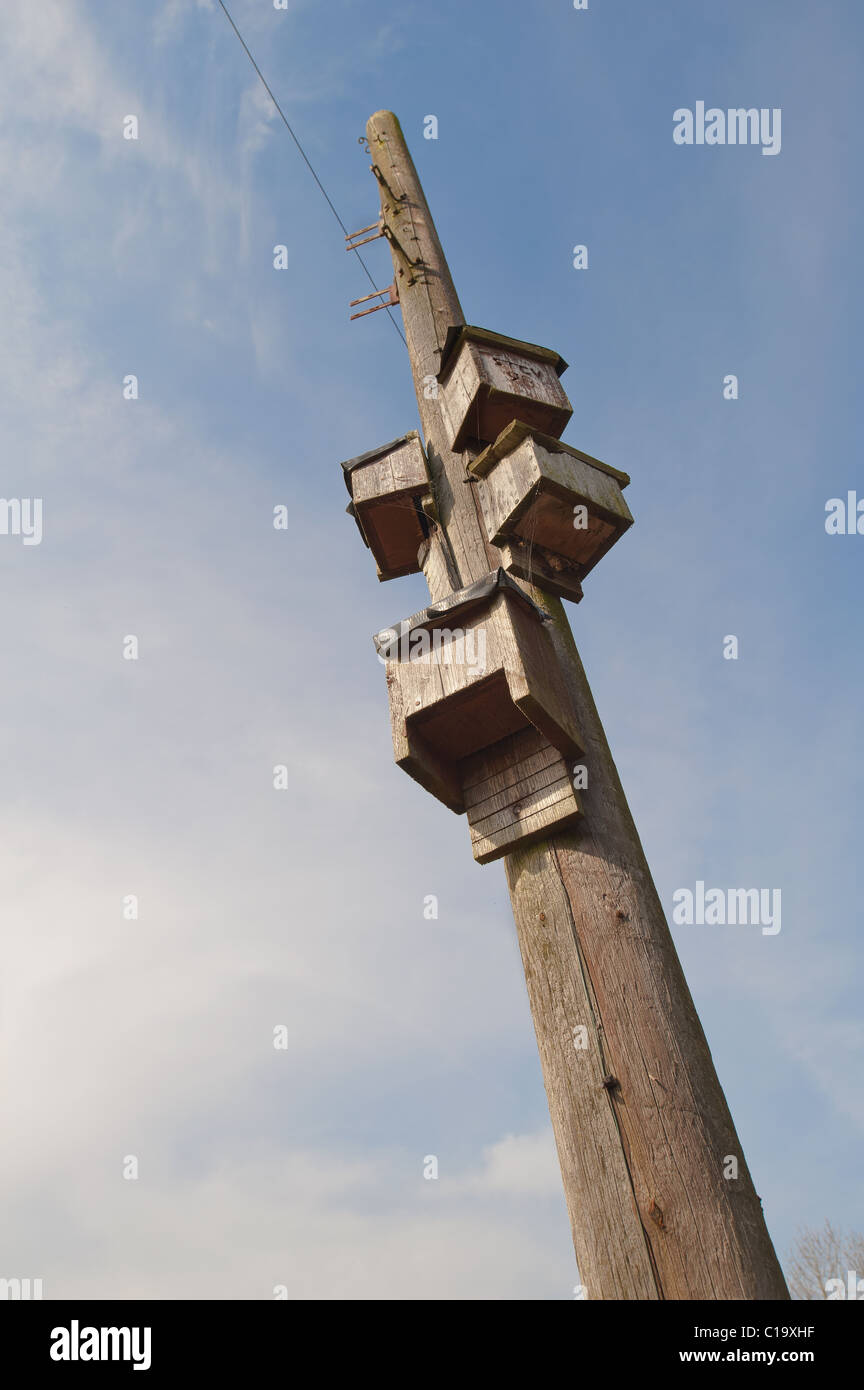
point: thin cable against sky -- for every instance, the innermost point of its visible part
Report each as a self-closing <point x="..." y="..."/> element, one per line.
<point x="306" y="159"/>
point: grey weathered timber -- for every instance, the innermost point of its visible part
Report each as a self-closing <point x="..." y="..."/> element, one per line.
<point x="515" y="792"/>
<point x="439" y="571"/>
<point x="536" y="490"/>
<point x="487" y="380"/>
<point x="430" y="306"/>
<point x="641" y="1123"/>
<point x="463" y="676"/>
<point x="386" y="487"/>
<point x="550" y="572"/>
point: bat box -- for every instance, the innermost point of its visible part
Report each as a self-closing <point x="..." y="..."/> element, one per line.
<point x="553" y="510"/>
<point x="386" y="486"/>
<point x="488" y="380"/>
<point x="481" y="714"/>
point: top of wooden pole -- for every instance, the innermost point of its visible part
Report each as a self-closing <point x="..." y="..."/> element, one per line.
<point x="430" y="308"/>
<point x="404" y="207"/>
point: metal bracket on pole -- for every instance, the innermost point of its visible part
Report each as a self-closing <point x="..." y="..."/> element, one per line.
<point x="397" y="197"/>
<point x="351" y="239"/>
<point x="394" y="241"/>
<point x="393" y="298"/>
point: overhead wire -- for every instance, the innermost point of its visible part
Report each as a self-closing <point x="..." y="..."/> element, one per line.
<point x="307" y="161"/>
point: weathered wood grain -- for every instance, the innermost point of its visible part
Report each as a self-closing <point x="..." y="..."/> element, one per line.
<point x="592" y="890"/>
<point x="515" y="791"/>
<point x="481" y="673"/>
<point x="386" y="489"/>
<point x="551" y="573"/>
<point x="640" y="1120"/>
<point x="436" y="562"/>
<point x="490" y="381"/>
<point x="528" y="487"/>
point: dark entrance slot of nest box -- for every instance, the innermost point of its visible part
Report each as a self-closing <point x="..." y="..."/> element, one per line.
<point x="473" y="719"/>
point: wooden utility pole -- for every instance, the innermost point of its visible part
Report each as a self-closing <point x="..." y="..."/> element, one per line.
<point x="661" y="1202"/>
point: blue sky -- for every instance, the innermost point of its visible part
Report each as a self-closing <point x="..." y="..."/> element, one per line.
<point x="407" y="1037"/>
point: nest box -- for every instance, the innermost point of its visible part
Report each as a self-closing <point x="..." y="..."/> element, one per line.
<point x="553" y="510"/>
<point x="386" y="487"/>
<point x="481" y="714"/>
<point x="488" y="380"/>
